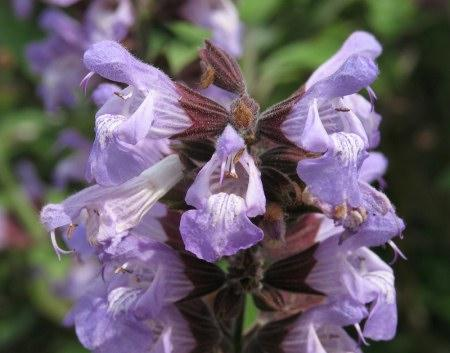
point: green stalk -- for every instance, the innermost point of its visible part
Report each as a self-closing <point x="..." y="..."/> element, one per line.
<point x="238" y="328"/>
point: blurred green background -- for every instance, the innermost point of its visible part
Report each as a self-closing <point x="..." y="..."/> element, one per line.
<point x="285" y="40"/>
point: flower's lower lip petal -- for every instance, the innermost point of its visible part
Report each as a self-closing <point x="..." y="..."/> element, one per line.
<point x="220" y="229"/>
<point x="333" y="177"/>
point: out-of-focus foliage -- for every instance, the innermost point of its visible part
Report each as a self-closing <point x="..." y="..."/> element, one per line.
<point x="284" y="41"/>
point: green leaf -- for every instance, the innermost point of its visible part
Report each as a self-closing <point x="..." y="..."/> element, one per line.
<point x="390" y="18"/>
<point x="189" y="33"/>
<point x="251" y="312"/>
<point x="179" y="55"/>
<point x="290" y="63"/>
<point x="21" y="126"/>
<point x="257" y="11"/>
<point x="14" y="326"/>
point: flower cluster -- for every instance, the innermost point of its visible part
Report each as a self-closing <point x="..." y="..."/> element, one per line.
<point x="58" y="58"/>
<point x="183" y="183"/>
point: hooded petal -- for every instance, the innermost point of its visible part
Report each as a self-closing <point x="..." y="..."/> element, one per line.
<point x="219" y="229"/>
<point x="113" y="62"/>
<point x="350" y="70"/>
<point x="361" y="43"/>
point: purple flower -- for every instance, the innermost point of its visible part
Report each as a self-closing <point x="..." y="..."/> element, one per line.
<point x="226" y="192"/>
<point x="231" y="177"/>
<point x="343" y="273"/>
<point x="329" y="120"/>
<point x="107" y="212"/>
<point x="219" y="16"/>
<point x="149" y="106"/>
<point x="132" y="305"/>
<point x="58" y="59"/>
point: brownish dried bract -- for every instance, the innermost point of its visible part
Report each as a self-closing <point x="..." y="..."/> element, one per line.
<point x="203" y="326"/>
<point x="290" y="274"/>
<point x="270" y="337"/>
<point x="206" y="277"/>
<point x="272" y="118"/>
<point x="229" y="302"/>
<point x="208" y="117"/>
<point x="223" y="68"/>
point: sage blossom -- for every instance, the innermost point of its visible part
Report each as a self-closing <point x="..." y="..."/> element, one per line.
<point x="199" y="203"/>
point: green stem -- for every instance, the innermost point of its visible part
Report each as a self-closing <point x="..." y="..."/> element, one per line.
<point x="238" y="328"/>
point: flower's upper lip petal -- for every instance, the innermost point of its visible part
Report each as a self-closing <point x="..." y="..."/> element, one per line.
<point x="361" y="43"/>
<point x="112" y="61"/>
<point x="355" y="73"/>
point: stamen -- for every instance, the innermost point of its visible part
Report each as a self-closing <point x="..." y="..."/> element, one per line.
<point x="397" y="252"/>
<point x="58" y="250"/>
<point x="360" y="334"/>
<point x="124" y="96"/>
<point x="238" y="155"/>
<point x="70" y="230"/>
<point x="372" y="97"/>
<point x="123" y="269"/>
<point x="84" y="82"/>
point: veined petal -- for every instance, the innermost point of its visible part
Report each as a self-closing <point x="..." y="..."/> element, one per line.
<point x="359" y="42"/>
<point x="120" y="207"/>
<point x="95" y="332"/>
<point x="306" y="336"/>
<point x="220" y="229"/>
<point x="333" y="177"/>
